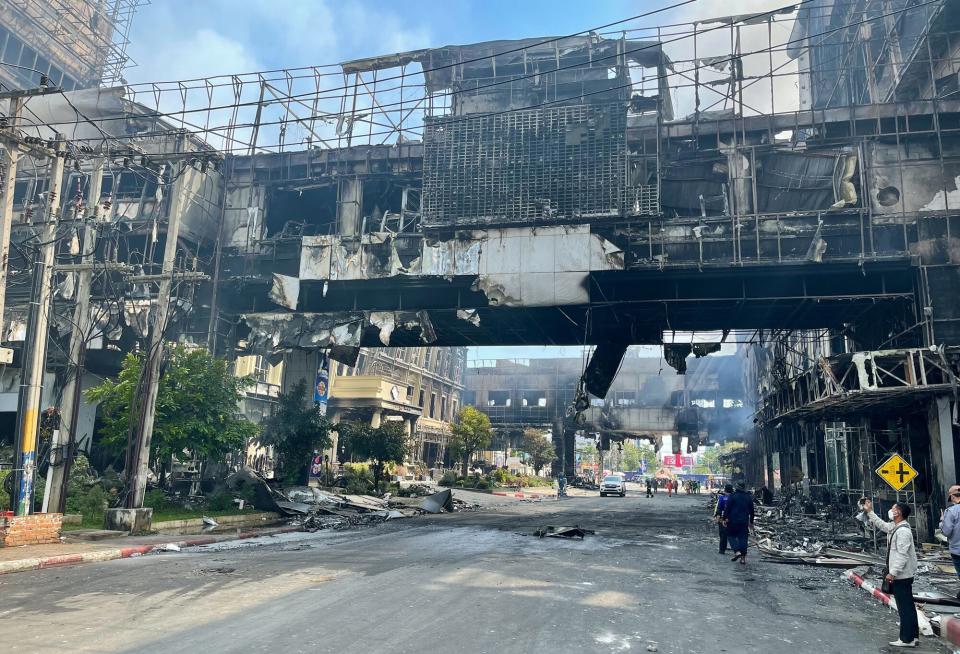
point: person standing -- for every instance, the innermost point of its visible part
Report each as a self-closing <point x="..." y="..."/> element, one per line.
<point x="738" y="514"/>
<point x="901" y="567"/>
<point x="649" y="488"/>
<point x="950" y="526"/>
<point x="670" y="484"/>
<point x="718" y="516"/>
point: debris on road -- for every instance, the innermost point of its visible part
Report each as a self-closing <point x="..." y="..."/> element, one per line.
<point x="563" y="532"/>
<point x="167" y="547"/>
<point x="438" y="502"/>
<point x="210" y="522"/>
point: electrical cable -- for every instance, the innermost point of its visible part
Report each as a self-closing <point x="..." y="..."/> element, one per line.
<point x="731" y="58"/>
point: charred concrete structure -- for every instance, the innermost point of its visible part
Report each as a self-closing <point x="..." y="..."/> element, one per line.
<point x="835" y="403"/>
<point x="590" y="190"/>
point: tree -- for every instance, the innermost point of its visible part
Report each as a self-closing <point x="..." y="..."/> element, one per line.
<point x="538" y="448"/>
<point x="196" y="409"/>
<point x="379" y="445"/>
<point x="471" y="434"/>
<point x="634" y="455"/>
<point x="295" y="430"/>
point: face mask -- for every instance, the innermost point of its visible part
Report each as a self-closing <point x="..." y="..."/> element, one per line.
<point x="890" y="514"/>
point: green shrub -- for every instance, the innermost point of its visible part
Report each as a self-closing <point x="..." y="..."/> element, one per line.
<point x="482" y="484"/>
<point x="92" y="503"/>
<point x="449" y="478"/>
<point x="4" y="498"/>
<point x="157" y="500"/>
<point x="220" y="501"/>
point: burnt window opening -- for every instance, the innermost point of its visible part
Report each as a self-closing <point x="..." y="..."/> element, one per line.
<point x="443" y="408"/>
<point x="390" y="207"/>
<point x="533" y="399"/>
<point x="311" y="211"/>
<point x="498" y="398"/>
<point x="421" y="398"/>
<point x="433" y="404"/>
<point x="730" y="403"/>
<point x="133" y="184"/>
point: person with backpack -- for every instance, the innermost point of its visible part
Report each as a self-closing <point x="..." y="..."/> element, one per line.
<point x="901" y="567"/>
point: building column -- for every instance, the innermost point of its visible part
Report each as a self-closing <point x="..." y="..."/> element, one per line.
<point x="334" y="438"/>
<point x="299" y="365"/>
<point x="350" y="206"/>
<point x="942" y="453"/>
<point x="377" y="418"/>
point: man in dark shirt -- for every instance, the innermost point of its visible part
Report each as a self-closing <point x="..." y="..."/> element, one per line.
<point x="738" y="514"/>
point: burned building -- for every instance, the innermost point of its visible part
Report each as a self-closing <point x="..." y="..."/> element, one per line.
<point x="599" y="190"/>
<point x="648" y="400"/>
<point x="835" y="403"/>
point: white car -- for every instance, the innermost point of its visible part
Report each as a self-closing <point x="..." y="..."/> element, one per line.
<point x="613" y="485"/>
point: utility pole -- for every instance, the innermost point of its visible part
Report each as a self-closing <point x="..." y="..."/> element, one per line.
<point x="64" y="439"/>
<point x="12" y="148"/>
<point x="35" y="351"/>
<point x="138" y="452"/>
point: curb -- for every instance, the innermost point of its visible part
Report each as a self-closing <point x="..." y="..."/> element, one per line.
<point x="950" y="629"/>
<point x="926" y="629"/>
<point x="62" y="560"/>
<point x="522" y="495"/>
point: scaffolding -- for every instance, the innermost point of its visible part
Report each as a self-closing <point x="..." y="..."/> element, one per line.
<point x="92" y="33"/>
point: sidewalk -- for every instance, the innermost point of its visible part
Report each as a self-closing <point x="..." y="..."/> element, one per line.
<point x="35" y="557"/>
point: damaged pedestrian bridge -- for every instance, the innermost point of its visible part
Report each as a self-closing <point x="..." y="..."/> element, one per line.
<point x="599" y="217"/>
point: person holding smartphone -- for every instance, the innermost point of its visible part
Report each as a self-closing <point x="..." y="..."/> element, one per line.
<point x="901" y="567"/>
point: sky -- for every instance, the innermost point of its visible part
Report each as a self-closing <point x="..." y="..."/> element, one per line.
<point x="183" y="39"/>
<point x="187" y="39"/>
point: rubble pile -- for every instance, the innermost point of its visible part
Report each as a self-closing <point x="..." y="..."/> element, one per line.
<point x="814" y="539"/>
<point x="314" y="509"/>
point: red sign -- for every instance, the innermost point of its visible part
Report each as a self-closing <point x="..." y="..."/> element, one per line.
<point x="677" y="461"/>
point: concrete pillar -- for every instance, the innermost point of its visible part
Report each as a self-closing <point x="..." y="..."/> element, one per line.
<point x="557" y="437"/>
<point x="334" y="418"/>
<point x="948" y="461"/>
<point x="299" y="365"/>
<point x="408" y="426"/>
<point x="376" y="418"/>
<point x="569" y="453"/>
<point x="350" y="206"/>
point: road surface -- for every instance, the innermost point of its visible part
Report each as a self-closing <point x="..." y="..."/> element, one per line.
<point x="651" y="579"/>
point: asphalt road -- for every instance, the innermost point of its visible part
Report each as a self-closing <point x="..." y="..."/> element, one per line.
<point x="649" y="580"/>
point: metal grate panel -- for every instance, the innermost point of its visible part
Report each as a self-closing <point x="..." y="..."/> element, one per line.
<point x="535" y="166"/>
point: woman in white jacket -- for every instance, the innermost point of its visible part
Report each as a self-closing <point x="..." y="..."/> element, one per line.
<point x="901" y="567"/>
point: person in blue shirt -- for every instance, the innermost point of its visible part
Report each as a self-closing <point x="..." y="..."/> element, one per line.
<point x="718" y="516"/>
<point x="738" y="515"/>
<point x="950" y="526"/>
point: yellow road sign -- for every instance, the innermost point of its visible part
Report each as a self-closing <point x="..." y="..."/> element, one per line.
<point x="896" y="472"/>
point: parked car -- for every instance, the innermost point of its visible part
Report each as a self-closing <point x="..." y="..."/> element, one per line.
<point x="613" y="485"/>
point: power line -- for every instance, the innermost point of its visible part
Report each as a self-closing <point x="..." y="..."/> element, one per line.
<point x="332" y="115"/>
<point x="450" y="121"/>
